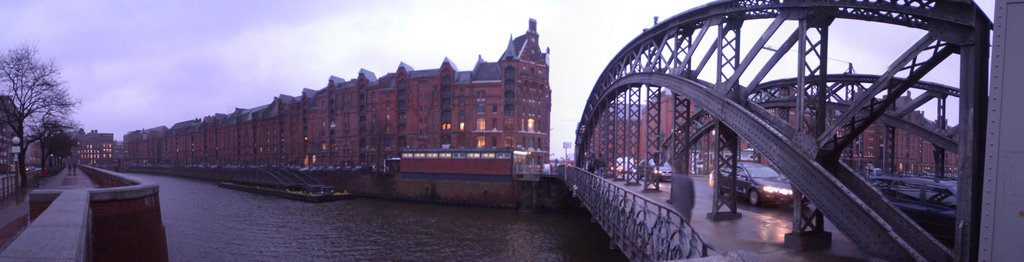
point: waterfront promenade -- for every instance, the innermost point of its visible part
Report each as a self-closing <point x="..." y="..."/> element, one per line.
<point x="14" y="210"/>
<point x="91" y="214"/>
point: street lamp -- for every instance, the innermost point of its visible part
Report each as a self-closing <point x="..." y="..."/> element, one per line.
<point x="15" y="150"/>
<point x="331" y="153"/>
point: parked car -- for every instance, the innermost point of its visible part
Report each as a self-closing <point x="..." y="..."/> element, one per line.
<point x="760" y="184"/>
<point x="929" y="202"/>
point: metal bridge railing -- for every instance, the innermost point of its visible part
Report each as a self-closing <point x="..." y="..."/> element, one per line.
<point x="643" y="229"/>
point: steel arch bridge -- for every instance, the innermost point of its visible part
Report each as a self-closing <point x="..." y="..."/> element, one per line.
<point x="831" y="110"/>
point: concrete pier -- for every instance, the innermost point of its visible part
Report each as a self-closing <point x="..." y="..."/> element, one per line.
<point x="93" y="215"/>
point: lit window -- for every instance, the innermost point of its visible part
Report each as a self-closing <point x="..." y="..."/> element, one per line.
<point x="462" y="126"/>
<point x="481" y="141"/>
<point x="529" y="125"/>
<point x="481" y="124"/>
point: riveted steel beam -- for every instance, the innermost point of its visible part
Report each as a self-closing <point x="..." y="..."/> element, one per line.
<point x="929" y="134"/>
<point x="654" y="138"/>
<point x="955" y="22"/>
<point x="681" y="124"/>
<point x="632" y="136"/>
<point x="876" y="233"/>
<point x="620" y="138"/>
<point x="730" y="84"/>
<point x="723" y="202"/>
<point x="867" y="108"/>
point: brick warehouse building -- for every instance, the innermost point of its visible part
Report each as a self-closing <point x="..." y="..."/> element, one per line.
<point x="94" y="148"/>
<point x="363" y="121"/>
<point x="913" y="154"/>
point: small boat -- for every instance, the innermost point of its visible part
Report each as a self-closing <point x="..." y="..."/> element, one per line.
<point x="314" y="193"/>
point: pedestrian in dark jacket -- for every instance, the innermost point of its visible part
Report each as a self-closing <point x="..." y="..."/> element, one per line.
<point x="682" y="196"/>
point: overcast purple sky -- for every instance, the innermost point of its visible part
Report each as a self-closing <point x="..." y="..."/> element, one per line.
<point x="142" y="64"/>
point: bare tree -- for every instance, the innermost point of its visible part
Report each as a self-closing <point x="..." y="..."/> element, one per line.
<point x="54" y="138"/>
<point x="36" y="93"/>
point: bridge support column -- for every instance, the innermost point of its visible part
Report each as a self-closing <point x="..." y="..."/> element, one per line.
<point x="619" y="130"/>
<point x="727" y="144"/>
<point x="808" y="226"/>
<point x="809" y="223"/>
<point x="607" y="129"/>
<point x="653" y="148"/>
<point x="939" y="152"/>
<point x="681" y="122"/>
<point x="632" y="123"/>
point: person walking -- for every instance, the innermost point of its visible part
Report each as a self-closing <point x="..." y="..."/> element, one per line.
<point x="682" y="197"/>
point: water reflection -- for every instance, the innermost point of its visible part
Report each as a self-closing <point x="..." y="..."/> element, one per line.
<point x="204" y="222"/>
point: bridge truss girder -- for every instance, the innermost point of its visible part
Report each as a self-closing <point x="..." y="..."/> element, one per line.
<point x="662" y="56"/>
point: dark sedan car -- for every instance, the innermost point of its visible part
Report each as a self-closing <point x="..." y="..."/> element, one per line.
<point x="930" y="203"/>
<point x="761" y="184"/>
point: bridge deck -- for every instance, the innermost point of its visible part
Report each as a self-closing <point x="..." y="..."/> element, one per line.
<point x="760" y="231"/>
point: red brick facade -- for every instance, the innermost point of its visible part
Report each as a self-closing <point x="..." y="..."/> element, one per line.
<point x="126" y="230"/>
<point x="94" y="148"/>
<point x="362" y="121"/>
<point x="913" y="154"/>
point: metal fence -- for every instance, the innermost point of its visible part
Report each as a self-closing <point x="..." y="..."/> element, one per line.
<point x="8" y="185"/>
<point x="643" y="229"/>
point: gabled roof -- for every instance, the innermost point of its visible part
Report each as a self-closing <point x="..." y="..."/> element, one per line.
<point x="450" y="63"/>
<point x="515" y="47"/>
<point x="370" y="76"/>
<point x="185" y="126"/>
<point x="309" y="92"/>
<point x="486" y="71"/>
<point x="287" y="99"/>
<point x="336" y="80"/>
<point x="407" y="67"/>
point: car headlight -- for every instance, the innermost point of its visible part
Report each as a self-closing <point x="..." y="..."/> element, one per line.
<point x="772" y="189"/>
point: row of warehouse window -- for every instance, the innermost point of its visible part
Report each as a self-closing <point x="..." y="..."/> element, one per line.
<point x="459" y="155"/>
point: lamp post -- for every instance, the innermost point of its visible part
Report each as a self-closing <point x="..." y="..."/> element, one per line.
<point x="331" y="153"/>
<point x="15" y="150"/>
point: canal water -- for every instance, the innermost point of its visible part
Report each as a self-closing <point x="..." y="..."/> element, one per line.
<point x="207" y="223"/>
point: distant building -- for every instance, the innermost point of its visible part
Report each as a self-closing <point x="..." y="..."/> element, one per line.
<point x="363" y="121"/>
<point x="119" y="150"/>
<point x="144" y="147"/>
<point x="913" y="154"/>
<point x="6" y="156"/>
<point x="94" y="148"/>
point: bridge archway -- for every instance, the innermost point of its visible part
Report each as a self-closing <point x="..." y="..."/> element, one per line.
<point x="666" y="57"/>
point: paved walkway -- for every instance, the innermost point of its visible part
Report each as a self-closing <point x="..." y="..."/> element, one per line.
<point x="14" y="209"/>
<point x="760" y="231"/>
<point x="69" y="179"/>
